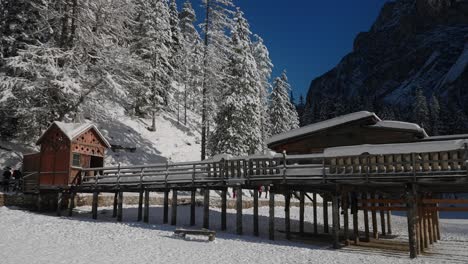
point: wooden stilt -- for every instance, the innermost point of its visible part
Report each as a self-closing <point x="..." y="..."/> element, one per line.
<point x="223" y="209"/>
<point x="412" y="219"/>
<point x="389" y="221"/>
<point x="355" y="219"/>
<point x="335" y="223"/>
<point x="59" y="203"/>
<point x="344" y="199"/>
<point x="419" y="232"/>
<point x="366" y="218"/>
<point x="192" y="207"/>
<point x="301" y="211"/>
<point x="430" y="227"/>
<point x="436" y="220"/>
<point x="255" y="213"/>
<point x="174" y="207"/>
<point x="39" y="202"/>
<point x="239" y="211"/>
<point x="146" y="211"/>
<point x="325" y="215"/>
<point x="140" y="205"/>
<point x="206" y="208"/>
<point x="375" y="231"/>
<point x="71" y="204"/>
<point x="382" y="218"/>
<point x="166" y="207"/>
<point x="424" y="228"/>
<point x="94" y="207"/>
<point x="314" y="204"/>
<point x="287" y="217"/>
<point x="271" y="222"/>
<point x="114" y="209"/>
<point x="120" y="207"/>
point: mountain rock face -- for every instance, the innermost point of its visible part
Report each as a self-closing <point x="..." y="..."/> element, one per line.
<point x="415" y="47"/>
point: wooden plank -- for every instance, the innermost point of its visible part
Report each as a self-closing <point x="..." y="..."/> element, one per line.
<point x="140" y="205"/>
<point x="166" y="207"/>
<point x="314" y="205"/>
<point x="445" y="201"/>
<point x="255" y="213"/>
<point x="385" y="208"/>
<point x="271" y="219"/>
<point x="224" y="209"/>
<point x="287" y="216"/>
<point x="192" y="207"/>
<point x="239" y="211"/>
<point x="301" y="211"/>
<point x="335" y="223"/>
<point x="174" y="207"/>
<point x="206" y="208"/>
<point x="146" y="211"/>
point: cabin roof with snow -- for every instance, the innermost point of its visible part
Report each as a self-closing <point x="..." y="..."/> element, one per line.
<point x="73" y="130"/>
<point x="352" y="129"/>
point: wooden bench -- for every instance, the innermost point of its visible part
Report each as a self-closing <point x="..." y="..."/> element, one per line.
<point x="181" y="232"/>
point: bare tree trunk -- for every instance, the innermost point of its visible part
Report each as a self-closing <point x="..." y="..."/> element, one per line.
<point x="178" y="108"/>
<point x="185" y="104"/>
<point x="153" y="123"/>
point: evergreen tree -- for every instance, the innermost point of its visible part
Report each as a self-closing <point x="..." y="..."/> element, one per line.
<point x="300" y="108"/>
<point x="434" y="109"/>
<point x="283" y="115"/>
<point x="238" y="121"/>
<point x="420" y="113"/>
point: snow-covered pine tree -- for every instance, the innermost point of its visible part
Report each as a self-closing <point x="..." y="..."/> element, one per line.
<point x="176" y="56"/>
<point x="238" y="120"/>
<point x="218" y="21"/>
<point x="434" y="109"/>
<point x="300" y="108"/>
<point x="420" y="113"/>
<point x="283" y="115"/>
<point x="152" y="36"/>
<point x="264" y="67"/>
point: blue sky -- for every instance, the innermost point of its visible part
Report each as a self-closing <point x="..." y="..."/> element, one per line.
<point x="306" y="37"/>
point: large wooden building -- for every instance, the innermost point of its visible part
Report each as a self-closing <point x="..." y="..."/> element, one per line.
<point x="353" y="129"/>
<point x="65" y="148"/>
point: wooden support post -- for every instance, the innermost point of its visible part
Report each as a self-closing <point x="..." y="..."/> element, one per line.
<point x="166" y="207"/>
<point x="255" y="213"/>
<point x="224" y="209"/>
<point x="192" y="207"/>
<point x="146" y="212"/>
<point x="314" y="204"/>
<point x="375" y="231"/>
<point x="120" y="207"/>
<point x="430" y="227"/>
<point x="301" y="211"/>
<point x="206" y="208"/>
<point x="335" y="223"/>
<point x="271" y="222"/>
<point x="140" y="205"/>
<point x="174" y="207"/>
<point x="287" y="217"/>
<point x="59" y="203"/>
<point x="239" y="211"/>
<point x="382" y="218"/>
<point x="114" y="209"/>
<point x="420" y="232"/>
<point x="71" y="204"/>
<point x="325" y="215"/>
<point x="355" y="219"/>
<point x="424" y="228"/>
<point x="344" y="200"/>
<point x="39" y="202"/>
<point x="389" y="221"/>
<point x="366" y="218"/>
<point x="412" y="217"/>
<point x="94" y="207"/>
<point x="436" y="220"/>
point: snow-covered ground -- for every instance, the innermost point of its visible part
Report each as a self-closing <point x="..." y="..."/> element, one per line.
<point x="27" y="237"/>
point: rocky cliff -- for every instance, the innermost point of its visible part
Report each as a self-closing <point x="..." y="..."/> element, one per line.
<point x="413" y="46"/>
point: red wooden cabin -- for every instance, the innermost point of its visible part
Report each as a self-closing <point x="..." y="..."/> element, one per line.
<point x="65" y="149"/>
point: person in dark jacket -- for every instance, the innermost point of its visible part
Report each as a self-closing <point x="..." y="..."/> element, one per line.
<point x="6" y="179"/>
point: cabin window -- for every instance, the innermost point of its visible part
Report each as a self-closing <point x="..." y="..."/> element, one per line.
<point x="76" y="160"/>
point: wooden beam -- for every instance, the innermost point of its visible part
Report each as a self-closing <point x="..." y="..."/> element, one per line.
<point x="114" y="209"/>
<point x="140" y="205"/>
<point x="412" y="219"/>
<point x="206" y="208"/>
<point x="94" y="205"/>
<point x="344" y="200"/>
<point x="375" y="231"/>
<point x="314" y="204"/>
<point x="382" y="218"/>
<point x="166" y="207"/>
<point x="366" y="219"/>
<point x="192" y="207"/>
<point x="271" y="222"/>
<point x="385" y="208"/>
<point x="224" y="209"/>
<point x="301" y="211"/>
<point x="174" y="207"/>
<point x="147" y="205"/>
<point x="335" y="216"/>
<point x="255" y="213"/>
<point x="325" y="215"/>
<point x="120" y="206"/>
<point x="287" y="217"/>
<point x="239" y="211"/>
<point x="389" y="222"/>
<point x="355" y="219"/>
<point x="71" y="204"/>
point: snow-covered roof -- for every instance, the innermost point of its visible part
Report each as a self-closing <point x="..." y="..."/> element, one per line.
<point x="312" y="128"/>
<point x="447" y="137"/>
<point x="401" y="148"/>
<point x="72" y="130"/>
<point x="400" y="126"/>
